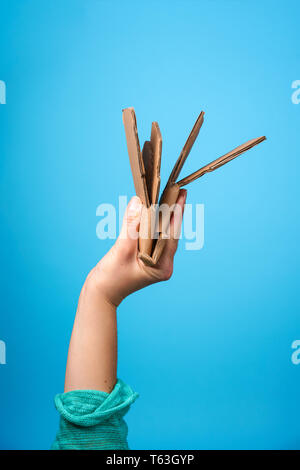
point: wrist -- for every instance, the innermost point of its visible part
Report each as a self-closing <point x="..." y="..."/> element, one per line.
<point x="98" y="287"/>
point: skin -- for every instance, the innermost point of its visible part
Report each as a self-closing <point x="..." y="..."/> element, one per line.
<point x="92" y="357"/>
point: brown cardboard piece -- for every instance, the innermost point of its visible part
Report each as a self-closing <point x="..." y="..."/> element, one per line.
<point x="135" y="156"/>
<point x="145" y="168"/>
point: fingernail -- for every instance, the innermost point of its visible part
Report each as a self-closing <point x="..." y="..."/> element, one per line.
<point x="183" y="195"/>
<point x="135" y="206"/>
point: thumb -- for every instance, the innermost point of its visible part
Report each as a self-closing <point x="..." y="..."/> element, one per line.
<point x="129" y="234"/>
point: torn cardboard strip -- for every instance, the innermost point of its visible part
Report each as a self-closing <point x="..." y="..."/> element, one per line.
<point x="145" y="168"/>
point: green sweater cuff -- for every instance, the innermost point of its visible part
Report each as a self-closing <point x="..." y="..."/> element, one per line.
<point x="93" y="419"/>
<point x="90" y="407"/>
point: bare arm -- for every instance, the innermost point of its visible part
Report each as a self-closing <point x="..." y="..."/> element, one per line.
<point x="92" y="358"/>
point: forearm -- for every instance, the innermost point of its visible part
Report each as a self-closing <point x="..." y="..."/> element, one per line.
<point x="92" y="357"/>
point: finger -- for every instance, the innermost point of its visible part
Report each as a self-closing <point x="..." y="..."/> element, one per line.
<point x="176" y="221"/>
<point x="175" y="225"/>
<point x="129" y="234"/>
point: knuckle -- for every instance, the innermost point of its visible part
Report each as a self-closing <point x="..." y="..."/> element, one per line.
<point x="127" y="251"/>
<point x="167" y="272"/>
<point x="124" y="250"/>
<point x="131" y="220"/>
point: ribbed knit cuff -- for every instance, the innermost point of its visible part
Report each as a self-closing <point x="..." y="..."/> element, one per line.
<point x="91" y="419"/>
<point x="90" y="407"/>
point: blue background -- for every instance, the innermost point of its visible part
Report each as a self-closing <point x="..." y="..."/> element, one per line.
<point x="210" y="351"/>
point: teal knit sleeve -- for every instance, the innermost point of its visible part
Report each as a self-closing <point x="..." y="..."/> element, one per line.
<point x="90" y="419"/>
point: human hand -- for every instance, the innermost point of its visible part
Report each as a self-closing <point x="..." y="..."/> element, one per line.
<point x="120" y="272"/>
<point x="92" y="358"/>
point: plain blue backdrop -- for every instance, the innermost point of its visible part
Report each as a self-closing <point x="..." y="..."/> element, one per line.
<point x="210" y="351"/>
